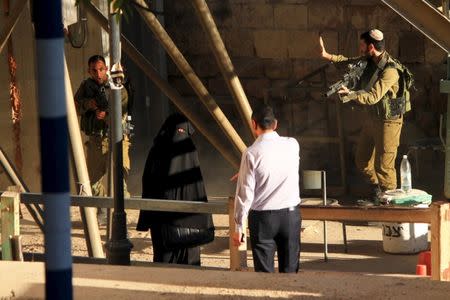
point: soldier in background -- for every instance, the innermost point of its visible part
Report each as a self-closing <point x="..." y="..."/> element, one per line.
<point x="92" y="101"/>
<point x="380" y="92"/>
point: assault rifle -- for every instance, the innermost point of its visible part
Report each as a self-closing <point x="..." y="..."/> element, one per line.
<point x="96" y="92"/>
<point x="351" y="78"/>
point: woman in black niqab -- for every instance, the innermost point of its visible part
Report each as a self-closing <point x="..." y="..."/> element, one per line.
<point x="172" y="171"/>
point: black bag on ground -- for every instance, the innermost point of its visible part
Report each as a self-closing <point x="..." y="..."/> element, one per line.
<point x="174" y="237"/>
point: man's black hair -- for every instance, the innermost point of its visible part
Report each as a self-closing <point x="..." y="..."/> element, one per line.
<point x="379" y="45"/>
<point x="96" y="58"/>
<point x="264" y="117"/>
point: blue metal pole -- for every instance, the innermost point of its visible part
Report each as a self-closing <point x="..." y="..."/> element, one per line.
<point x="54" y="148"/>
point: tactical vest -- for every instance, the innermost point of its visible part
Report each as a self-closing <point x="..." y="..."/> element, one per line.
<point x="89" y="123"/>
<point x="394" y="106"/>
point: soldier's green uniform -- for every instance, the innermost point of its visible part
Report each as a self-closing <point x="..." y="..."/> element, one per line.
<point x="97" y="146"/>
<point x="380" y="135"/>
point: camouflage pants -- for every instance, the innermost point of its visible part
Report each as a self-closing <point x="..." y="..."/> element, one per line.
<point x="377" y="150"/>
<point x="97" y="158"/>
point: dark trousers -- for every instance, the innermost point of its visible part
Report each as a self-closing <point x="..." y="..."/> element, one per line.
<point x="183" y="256"/>
<point x="278" y="230"/>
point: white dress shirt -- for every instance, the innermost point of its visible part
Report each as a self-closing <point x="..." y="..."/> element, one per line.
<point x="268" y="176"/>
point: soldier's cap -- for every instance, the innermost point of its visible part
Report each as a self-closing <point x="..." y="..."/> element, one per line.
<point x="376" y="34"/>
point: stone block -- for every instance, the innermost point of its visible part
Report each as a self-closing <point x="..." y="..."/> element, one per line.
<point x="411" y="47"/>
<point x="278" y="68"/>
<point x="331" y="40"/>
<point x="326" y="14"/>
<point x="433" y="53"/>
<point x="384" y="18"/>
<point x="364" y="2"/>
<point x="348" y="43"/>
<point x="221" y="11"/>
<point x="302" y="67"/>
<point x="278" y="90"/>
<point x="253" y="15"/>
<point x="204" y="65"/>
<point x="392" y="42"/>
<point x="299" y="68"/>
<point x="271" y="43"/>
<point x="305" y="44"/>
<point x="190" y="41"/>
<point x="255" y="88"/>
<point x="285" y="1"/>
<point x="217" y="86"/>
<point x="423" y="74"/>
<point x="172" y="69"/>
<point x="180" y="13"/>
<point x="239" y="42"/>
<point x="248" y="66"/>
<point x="358" y="16"/>
<point x="182" y="86"/>
<point x="439" y="72"/>
<point x="291" y="16"/>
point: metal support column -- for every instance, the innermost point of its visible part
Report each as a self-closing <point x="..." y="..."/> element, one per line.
<point x="224" y="62"/>
<point x="118" y="247"/>
<point x="88" y="216"/>
<point x="445" y="88"/>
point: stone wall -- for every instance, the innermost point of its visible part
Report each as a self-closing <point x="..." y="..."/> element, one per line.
<point x="274" y="43"/>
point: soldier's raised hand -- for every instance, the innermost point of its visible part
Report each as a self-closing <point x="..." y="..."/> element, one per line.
<point x="323" y="52"/>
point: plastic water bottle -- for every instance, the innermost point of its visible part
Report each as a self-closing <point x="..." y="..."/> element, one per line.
<point x="405" y="175"/>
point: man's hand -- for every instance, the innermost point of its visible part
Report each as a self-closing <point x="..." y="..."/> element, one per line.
<point x="237" y="238"/>
<point x="90" y="104"/>
<point x="345" y="95"/>
<point x="234" y="177"/>
<point x="100" y="114"/>
<point x="343" y="91"/>
<point x="323" y="52"/>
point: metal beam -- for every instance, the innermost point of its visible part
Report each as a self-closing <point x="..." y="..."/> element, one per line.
<point x="35" y="211"/>
<point x="214" y="207"/>
<point x="88" y="214"/>
<point x="224" y="62"/>
<point x="194" y="81"/>
<point x="444" y="85"/>
<point x="10" y="22"/>
<point x="426" y="18"/>
<point x="329" y="213"/>
<point x="184" y="106"/>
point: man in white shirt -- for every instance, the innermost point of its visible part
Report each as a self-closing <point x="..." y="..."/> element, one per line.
<point x="268" y="193"/>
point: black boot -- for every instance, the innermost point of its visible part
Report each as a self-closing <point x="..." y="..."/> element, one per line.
<point x="374" y="196"/>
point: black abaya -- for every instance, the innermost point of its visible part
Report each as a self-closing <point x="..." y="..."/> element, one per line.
<point x="172" y="171"/>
